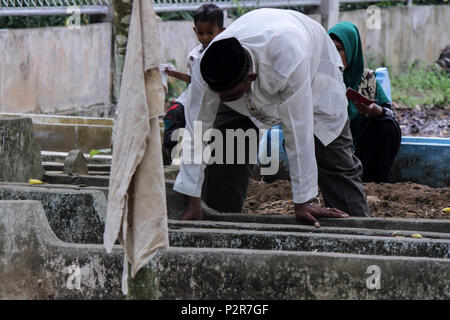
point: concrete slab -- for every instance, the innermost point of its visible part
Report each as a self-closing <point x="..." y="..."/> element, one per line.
<point x="177" y="224"/>
<point x="295" y="241"/>
<point x="76" y="216"/>
<point x="186" y="273"/>
<point x="35" y="264"/>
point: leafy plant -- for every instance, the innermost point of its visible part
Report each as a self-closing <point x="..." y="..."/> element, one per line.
<point x="421" y="85"/>
<point x="94" y="152"/>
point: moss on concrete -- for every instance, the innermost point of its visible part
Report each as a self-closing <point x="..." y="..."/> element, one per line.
<point x="144" y="285"/>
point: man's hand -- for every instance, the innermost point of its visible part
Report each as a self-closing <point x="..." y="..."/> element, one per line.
<point x="372" y="110"/>
<point x="305" y="211"/>
<point x="192" y="210"/>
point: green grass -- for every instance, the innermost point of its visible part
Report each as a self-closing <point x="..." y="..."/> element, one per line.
<point x="420" y="85"/>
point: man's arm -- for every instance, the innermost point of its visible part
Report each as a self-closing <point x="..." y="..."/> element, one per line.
<point x="297" y="121"/>
<point x="200" y="114"/>
<point x="296" y="114"/>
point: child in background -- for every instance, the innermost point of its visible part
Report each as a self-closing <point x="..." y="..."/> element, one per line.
<point x="208" y="23"/>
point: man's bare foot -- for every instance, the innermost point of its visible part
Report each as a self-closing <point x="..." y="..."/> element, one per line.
<point x="192" y="210"/>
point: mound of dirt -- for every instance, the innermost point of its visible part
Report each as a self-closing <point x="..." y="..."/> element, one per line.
<point x="400" y="200"/>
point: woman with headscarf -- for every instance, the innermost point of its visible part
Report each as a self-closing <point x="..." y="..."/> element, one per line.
<point x="376" y="134"/>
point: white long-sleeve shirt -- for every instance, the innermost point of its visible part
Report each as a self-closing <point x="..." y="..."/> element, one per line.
<point x="299" y="84"/>
<point x="190" y="60"/>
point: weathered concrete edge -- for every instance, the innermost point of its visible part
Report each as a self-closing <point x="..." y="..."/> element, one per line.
<point x="97" y="193"/>
<point x="295" y="241"/>
<point x="57" y="186"/>
<point x="204" y="274"/>
<point x="432" y="225"/>
<point x="178" y="224"/>
<point x="35" y="264"/>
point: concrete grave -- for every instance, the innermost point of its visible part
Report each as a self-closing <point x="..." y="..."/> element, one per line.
<point x="76" y="216"/>
<point x="35" y="264"/>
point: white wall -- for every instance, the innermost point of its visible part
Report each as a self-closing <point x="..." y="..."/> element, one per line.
<point x="55" y="70"/>
<point x="406" y="34"/>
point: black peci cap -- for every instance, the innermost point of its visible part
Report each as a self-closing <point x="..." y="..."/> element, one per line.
<point x="225" y="64"/>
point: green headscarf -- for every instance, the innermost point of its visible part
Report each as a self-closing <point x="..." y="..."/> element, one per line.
<point x="348" y="34"/>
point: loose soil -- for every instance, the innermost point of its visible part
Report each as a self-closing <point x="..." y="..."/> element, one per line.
<point x="400" y="200"/>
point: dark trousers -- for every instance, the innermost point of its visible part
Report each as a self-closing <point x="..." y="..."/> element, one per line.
<point x="339" y="173"/>
<point x="225" y="185"/>
<point x="377" y="148"/>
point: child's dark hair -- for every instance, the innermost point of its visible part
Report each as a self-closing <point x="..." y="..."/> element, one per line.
<point x="209" y="12"/>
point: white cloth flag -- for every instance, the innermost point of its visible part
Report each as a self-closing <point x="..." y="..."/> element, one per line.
<point x="137" y="213"/>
